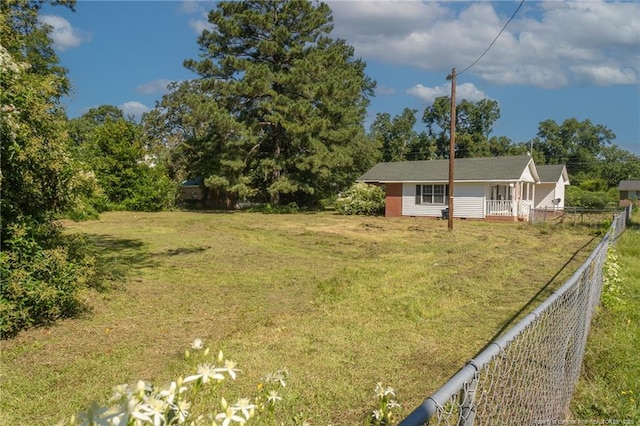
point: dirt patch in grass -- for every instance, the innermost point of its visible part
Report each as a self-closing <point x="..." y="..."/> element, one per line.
<point x="341" y="302"/>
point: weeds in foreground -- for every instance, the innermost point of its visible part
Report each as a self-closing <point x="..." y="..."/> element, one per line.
<point x="147" y="404"/>
<point x="177" y="403"/>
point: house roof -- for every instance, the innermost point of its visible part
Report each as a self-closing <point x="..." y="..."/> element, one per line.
<point x="551" y="173"/>
<point x="465" y="169"/>
<point x="197" y="181"/>
<point x="629" y="185"/>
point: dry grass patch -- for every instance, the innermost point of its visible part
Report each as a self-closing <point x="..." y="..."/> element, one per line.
<point x="341" y="302"/>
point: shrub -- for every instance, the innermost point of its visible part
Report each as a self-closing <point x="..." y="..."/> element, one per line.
<point x="41" y="272"/>
<point x="153" y="191"/>
<point x="361" y="199"/>
<point x="578" y="197"/>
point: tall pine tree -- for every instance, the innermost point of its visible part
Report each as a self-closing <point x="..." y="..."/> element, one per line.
<point x="286" y="102"/>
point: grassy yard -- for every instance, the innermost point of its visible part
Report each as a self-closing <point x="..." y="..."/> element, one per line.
<point x="341" y="302"/>
<point x="610" y="385"/>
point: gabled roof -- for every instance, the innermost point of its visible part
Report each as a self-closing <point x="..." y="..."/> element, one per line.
<point x="465" y="169"/>
<point x="629" y="185"/>
<point x="551" y="173"/>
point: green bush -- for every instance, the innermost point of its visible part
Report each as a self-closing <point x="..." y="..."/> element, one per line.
<point x="41" y="272"/>
<point x="361" y="199"/>
<point x="153" y="191"/>
<point x="579" y="197"/>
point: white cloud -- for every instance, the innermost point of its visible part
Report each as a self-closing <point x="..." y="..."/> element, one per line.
<point x="548" y="44"/>
<point x="201" y="9"/>
<point x="134" y="108"/>
<point x="156" y="86"/>
<point x="64" y="36"/>
<point x="199" y="25"/>
<point x="466" y="91"/>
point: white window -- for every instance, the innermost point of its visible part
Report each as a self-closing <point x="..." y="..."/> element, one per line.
<point x="432" y="194"/>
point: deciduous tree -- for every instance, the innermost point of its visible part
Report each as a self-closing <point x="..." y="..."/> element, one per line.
<point x="474" y="124"/>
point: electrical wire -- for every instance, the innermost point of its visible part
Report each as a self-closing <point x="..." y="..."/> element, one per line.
<point x="494" y="40"/>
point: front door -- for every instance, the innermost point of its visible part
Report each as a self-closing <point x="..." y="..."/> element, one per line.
<point x="501" y="192"/>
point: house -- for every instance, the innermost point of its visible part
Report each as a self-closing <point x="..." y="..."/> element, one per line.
<point x="629" y="192"/>
<point x="194" y="193"/>
<point x="550" y="190"/>
<point x="500" y="188"/>
<point x="192" y="190"/>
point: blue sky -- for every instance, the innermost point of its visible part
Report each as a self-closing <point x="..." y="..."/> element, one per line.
<point x="556" y="60"/>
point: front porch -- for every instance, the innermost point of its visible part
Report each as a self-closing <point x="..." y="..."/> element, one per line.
<point x="507" y="210"/>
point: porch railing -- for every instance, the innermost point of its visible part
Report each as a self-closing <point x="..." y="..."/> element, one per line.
<point x="499" y="208"/>
<point x="508" y="208"/>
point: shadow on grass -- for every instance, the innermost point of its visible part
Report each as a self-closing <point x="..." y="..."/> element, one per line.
<point x="633" y="224"/>
<point x="115" y="258"/>
<point x="534" y="301"/>
<point x="186" y="250"/>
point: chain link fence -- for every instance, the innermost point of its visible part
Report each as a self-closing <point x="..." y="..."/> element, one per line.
<point x="528" y="375"/>
<point x="574" y="215"/>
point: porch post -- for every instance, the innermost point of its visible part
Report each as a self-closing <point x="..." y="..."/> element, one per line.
<point x="533" y="196"/>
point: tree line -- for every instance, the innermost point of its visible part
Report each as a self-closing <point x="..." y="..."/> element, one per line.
<point x="275" y="114"/>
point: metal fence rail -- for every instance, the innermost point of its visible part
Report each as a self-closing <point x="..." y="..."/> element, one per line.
<point x="529" y="374"/>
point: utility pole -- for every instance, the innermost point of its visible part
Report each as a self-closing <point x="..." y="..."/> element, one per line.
<point x="452" y="142"/>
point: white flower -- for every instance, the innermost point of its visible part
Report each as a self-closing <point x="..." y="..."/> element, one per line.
<point x="120" y="393"/>
<point x="376" y="414"/>
<point x="244" y="405"/>
<point x="278" y="377"/>
<point x="229" y="367"/>
<point x="273" y="397"/>
<point x="206" y="372"/>
<point x="169" y="394"/>
<point x="155" y="409"/>
<point x="183" y="410"/>
<point x="229" y="416"/>
<point x="197" y="344"/>
<point x="381" y="391"/>
<point x="393" y="404"/>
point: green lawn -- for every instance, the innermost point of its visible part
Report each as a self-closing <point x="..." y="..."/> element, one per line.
<point x="341" y="302"/>
<point x="609" y="388"/>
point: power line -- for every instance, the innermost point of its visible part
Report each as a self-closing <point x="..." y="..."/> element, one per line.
<point x="495" y="39"/>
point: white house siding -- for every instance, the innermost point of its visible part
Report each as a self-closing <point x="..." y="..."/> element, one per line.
<point x="545" y="192"/>
<point x="526" y="175"/>
<point x="409" y="206"/>
<point x="469" y="200"/>
<point x="468" y="207"/>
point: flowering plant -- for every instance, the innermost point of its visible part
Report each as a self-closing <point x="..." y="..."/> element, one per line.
<point x="612" y="280"/>
<point x="146" y="404"/>
<point x="382" y="415"/>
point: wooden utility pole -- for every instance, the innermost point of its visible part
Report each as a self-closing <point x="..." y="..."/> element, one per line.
<point x="452" y="143"/>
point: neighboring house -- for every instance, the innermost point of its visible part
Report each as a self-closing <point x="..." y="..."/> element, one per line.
<point x="195" y="194"/>
<point x="629" y="192"/>
<point x="192" y="190"/>
<point x="502" y="188"/>
<point x="550" y="190"/>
